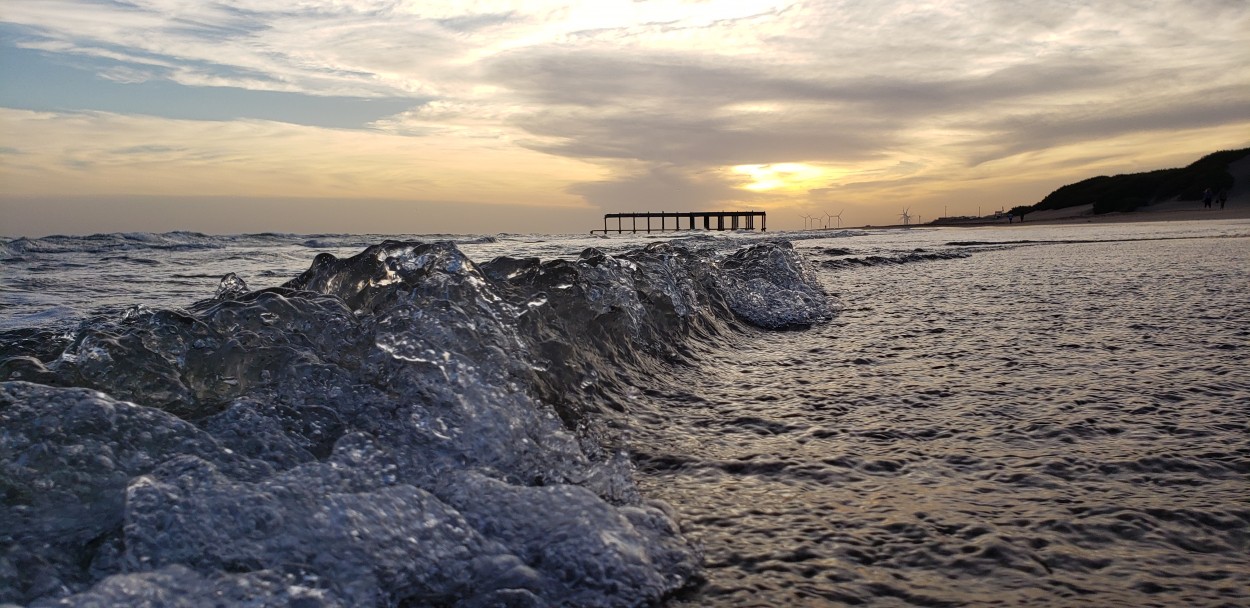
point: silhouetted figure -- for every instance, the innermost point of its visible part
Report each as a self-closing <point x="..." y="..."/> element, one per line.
<point x="1206" y="198"/>
<point x="1223" y="198"/>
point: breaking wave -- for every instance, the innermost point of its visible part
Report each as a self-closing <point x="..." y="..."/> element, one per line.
<point x="401" y="427"/>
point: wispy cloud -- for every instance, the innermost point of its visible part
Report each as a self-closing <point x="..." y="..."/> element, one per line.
<point x="35" y="81"/>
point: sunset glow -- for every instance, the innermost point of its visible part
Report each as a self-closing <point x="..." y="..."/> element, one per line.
<point x="558" y="113"/>
<point x="784" y="176"/>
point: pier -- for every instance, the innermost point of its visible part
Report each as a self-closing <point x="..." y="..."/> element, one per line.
<point x="709" y="220"/>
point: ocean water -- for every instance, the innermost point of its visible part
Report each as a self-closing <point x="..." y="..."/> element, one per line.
<point x="1021" y="416"/>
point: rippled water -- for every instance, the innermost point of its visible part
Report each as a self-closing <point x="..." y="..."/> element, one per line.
<point x="1044" y="416"/>
<point x="1053" y="424"/>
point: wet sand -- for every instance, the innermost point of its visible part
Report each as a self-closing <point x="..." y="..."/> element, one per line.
<point x="1027" y="426"/>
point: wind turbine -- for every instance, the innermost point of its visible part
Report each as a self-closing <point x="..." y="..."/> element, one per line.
<point x="806" y="220"/>
<point x="906" y="217"/>
<point x="838" y="216"/>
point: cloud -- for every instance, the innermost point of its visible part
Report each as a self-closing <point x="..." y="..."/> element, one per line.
<point x="693" y="110"/>
<point x="662" y="188"/>
<point x="646" y="102"/>
<point x="856" y="86"/>
<point x="1015" y="134"/>
<point x="36" y="82"/>
<point x="688" y="140"/>
<point x="330" y="49"/>
<point x="476" y="22"/>
<point x="474" y="120"/>
<point x="147" y="149"/>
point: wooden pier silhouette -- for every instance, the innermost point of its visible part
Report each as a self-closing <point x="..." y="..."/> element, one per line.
<point x="711" y="220"/>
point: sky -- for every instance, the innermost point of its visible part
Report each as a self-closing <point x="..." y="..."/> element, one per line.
<point x="391" y="116"/>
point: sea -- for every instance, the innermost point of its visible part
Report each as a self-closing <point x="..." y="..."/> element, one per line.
<point x="1029" y="415"/>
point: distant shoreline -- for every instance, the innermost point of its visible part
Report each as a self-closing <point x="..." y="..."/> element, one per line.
<point x="1190" y="211"/>
<point x="1170" y="210"/>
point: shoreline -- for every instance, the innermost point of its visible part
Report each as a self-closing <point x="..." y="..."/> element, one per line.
<point x="1193" y="211"/>
<point x="1171" y="210"/>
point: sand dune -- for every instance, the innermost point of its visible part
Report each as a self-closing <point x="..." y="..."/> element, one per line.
<point x="1238" y="207"/>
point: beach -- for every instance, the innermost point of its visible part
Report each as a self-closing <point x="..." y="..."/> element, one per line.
<point x="1172" y="211"/>
<point x="381" y="304"/>
<point x="1237" y="207"/>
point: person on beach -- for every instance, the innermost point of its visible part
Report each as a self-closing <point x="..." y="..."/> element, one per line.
<point x="1223" y="198"/>
<point x="1206" y="198"/>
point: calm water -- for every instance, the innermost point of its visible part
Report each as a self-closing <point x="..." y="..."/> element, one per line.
<point x="1043" y="416"/>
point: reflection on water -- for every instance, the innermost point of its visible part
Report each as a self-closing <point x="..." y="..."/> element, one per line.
<point x="1044" y="425"/>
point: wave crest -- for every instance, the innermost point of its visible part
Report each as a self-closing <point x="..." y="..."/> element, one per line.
<point x="378" y="430"/>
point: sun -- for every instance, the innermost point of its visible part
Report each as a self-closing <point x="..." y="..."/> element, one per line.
<point x="783" y="176"/>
